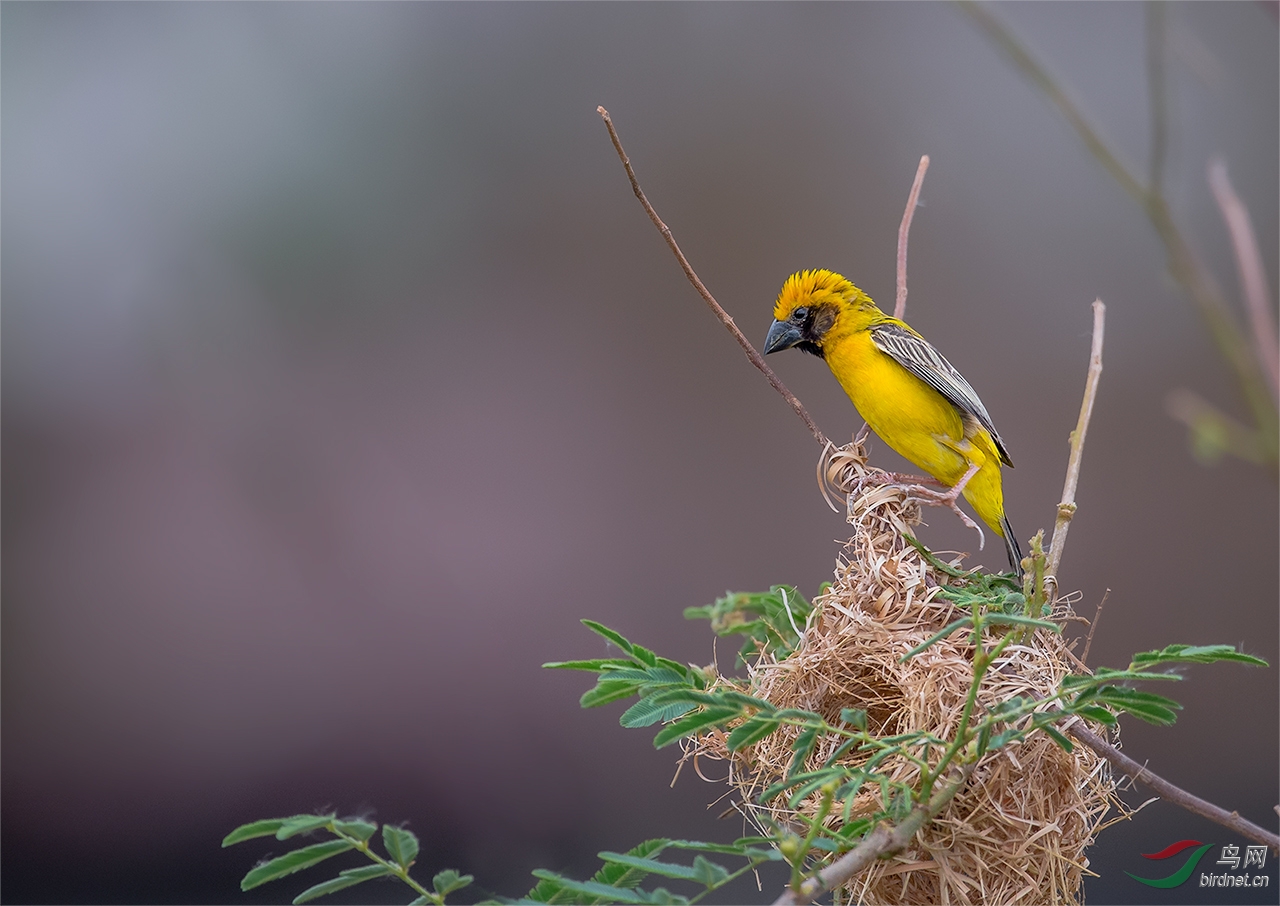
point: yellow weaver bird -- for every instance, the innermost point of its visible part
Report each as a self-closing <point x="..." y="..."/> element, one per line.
<point x="905" y="390"/>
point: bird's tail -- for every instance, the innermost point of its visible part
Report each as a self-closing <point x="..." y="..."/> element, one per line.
<point x="1011" y="546"/>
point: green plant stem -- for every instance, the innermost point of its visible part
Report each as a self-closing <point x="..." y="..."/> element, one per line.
<point x="394" y="868"/>
<point x="824" y="809"/>
<point x="883" y="841"/>
<point x="981" y="661"/>
<point x="752" y="865"/>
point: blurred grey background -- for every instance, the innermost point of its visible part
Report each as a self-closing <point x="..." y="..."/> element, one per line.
<point x="343" y="374"/>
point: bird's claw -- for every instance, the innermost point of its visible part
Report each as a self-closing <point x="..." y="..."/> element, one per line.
<point x="948" y="499"/>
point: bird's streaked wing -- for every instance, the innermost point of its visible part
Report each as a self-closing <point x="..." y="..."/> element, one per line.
<point x="917" y="355"/>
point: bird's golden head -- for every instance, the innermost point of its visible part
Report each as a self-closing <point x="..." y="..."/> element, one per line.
<point x="810" y="306"/>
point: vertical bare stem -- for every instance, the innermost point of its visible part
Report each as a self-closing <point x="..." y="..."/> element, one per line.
<point x="900" y="306"/>
<point x="1067" y="508"/>
<point x="1253" y="276"/>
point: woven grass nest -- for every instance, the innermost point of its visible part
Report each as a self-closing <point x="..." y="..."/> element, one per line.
<point x="1017" y="832"/>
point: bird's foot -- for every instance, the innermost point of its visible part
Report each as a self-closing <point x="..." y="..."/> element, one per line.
<point x="947" y="498"/>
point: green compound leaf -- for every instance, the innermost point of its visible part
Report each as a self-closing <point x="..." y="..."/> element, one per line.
<point x="651" y="866"/>
<point x="610" y="874"/>
<point x="817" y="780"/>
<point x="294" y="861"/>
<point x="1155" y="709"/>
<point x="649" y="711"/>
<point x="709" y="874"/>
<point x="401" y="845"/>
<point x="1095" y="713"/>
<point x="771" y="621"/>
<point x="265" y="828"/>
<point x="688" y="695"/>
<point x="854" y="717"/>
<point x="358" y="828"/>
<point x="606" y="892"/>
<point x="1003" y="738"/>
<point x="607" y="633"/>
<point x="303" y="824"/>
<point x="1195" y="654"/>
<point x="753" y="730"/>
<point x="348" y="878"/>
<point x="1010" y="619"/>
<point x="702" y="871"/>
<point x="652" y="676"/>
<point x="447" y="881"/>
<point x="595" y="666"/>
<point x="744" y="847"/>
<point x="803" y="748"/>
<point x="606" y="691"/>
<point x="687" y="726"/>
<point x="1059" y="738"/>
<point x="742" y="700"/>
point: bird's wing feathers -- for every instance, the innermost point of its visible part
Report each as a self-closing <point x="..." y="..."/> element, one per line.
<point x="916" y="354"/>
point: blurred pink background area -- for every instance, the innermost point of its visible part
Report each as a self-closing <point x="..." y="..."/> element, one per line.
<point x="343" y="374"/>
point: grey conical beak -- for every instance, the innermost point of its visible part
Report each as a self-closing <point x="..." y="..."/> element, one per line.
<point x="781" y="336"/>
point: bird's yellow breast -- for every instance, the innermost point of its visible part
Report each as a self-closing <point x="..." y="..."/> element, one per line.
<point x="911" y="417"/>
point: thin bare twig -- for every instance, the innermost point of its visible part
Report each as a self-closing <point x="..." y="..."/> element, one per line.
<point x="1253" y="276"/>
<point x="1097" y="615"/>
<point x="1183" y="263"/>
<point x="1167" y="790"/>
<point x="752" y="354"/>
<point x="1067" y="508"/>
<point x="900" y="305"/>
<point x="883" y="841"/>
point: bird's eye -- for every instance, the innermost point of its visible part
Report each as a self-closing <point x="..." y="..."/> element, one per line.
<point x="799" y="315"/>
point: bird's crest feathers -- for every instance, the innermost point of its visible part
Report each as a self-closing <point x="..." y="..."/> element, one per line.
<point x="814" y="288"/>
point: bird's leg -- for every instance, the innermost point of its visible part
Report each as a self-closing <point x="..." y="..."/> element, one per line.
<point x="948" y="499"/>
<point x="861" y="437"/>
<point x="904" y="478"/>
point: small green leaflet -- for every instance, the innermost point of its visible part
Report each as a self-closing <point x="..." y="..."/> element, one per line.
<point x="361" y="830"/>
<point x="303" y="824"/>
<point x="401" y="845"/>
<point x="703" y="871"/>
<point x="265" y="828"/>
<point x="1194" y="654"/>
<point x="753" y="730"/>
<point x="608" y="893"/>
<point x="348" y="878"/>
<point x="649" y="711"/>
<point x="294" y="861"/>
<point x="448" y="881"/>
<point x="687" y="726"/>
